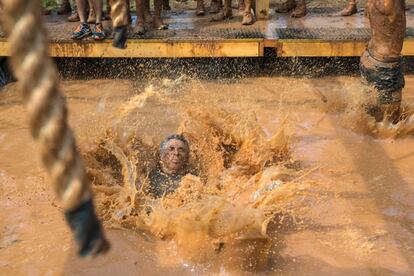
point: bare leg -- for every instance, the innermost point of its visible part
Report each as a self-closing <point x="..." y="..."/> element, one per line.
<point x="92" y="12"/>
<point x="147" y="12"/>
<point x="215" y="6"/>
<point x="350" y="9"/>
<point x="81" y="10"/>
<point x="98" y="7"/>
<point x="139" y="28"/>
<point x="157" y="20"/>
<point x="299" y="10"/>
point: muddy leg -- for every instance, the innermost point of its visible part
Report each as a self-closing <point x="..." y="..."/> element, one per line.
<point x="299" y="10"/>
<point x="157" y="20"/>
<point x="225" y="13"/>
<point x="92" y="12"/>
<point x="248" y="17"/>
<point x="147" y="12"/>
<point x="381" y="64"/>
<point x="200" y="9"/>
<point x="215" y="6"/>
<point x="350" y="9"/>
<point x="139" y="28"/>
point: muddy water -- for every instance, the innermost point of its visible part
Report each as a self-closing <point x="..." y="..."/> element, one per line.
<point x="290" y="179"/>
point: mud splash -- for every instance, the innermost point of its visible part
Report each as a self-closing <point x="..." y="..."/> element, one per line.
<point x="224" y="207"/>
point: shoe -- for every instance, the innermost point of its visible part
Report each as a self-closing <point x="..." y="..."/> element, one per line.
<point x="248" y="18"/>
<point x="81" y="31"/>
<point x="74" y="17"/>
<point x="65" y="8"/>
<point x="91" y="17"/>
<point x="98" y="32"/>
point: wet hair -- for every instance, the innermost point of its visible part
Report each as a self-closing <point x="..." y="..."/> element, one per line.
<point x="163" y="145"/>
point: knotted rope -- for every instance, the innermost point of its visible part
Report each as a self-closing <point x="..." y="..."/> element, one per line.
<point x="119" y="15"/>
<point x="38" y="81"/>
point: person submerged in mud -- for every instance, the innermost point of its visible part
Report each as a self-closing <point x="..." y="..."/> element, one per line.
<point x="172" y="166"/>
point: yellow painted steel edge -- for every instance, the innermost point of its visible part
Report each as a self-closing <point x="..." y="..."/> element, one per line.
<point x="330" y="48"/>
<point x="154" y="48"/>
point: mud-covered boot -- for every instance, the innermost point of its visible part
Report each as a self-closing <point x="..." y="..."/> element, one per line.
<point x="200" y="9"/>
<point x="215" y="6"/>
<point x="350" y="9"/>
<point x="284" y="6"/>
<point x="299" y="10"/>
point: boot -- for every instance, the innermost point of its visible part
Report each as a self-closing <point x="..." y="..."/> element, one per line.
<point x="215" y="6"/>
<point x="65" y="8"/>
<point x="300" y="10"/>
<point x="200" y="9"/>
<point x="350" y="9"/>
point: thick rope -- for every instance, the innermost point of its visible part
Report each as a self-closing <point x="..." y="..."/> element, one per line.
<point x="38" y="81"/>
<point x="120" y="16"/>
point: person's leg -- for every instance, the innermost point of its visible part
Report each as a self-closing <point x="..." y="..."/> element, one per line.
<point x="147" y="12"/>
<point x="350" y="9"/>
<point x="248" y="17"/>
<point x="225" y="13"/>
<point x="83" y="29"/>
<point x="200" y="9"/>
<point x="166" y="5"/>
<point x="381" y="63"/>
<point x="139" y="6"/>
<point x="215" y="6"/>
<point x="98" y="31"/>
<point x="92" y="12"/>
<point x="64" y="7"/>
<point x="157" y="20"/>
<point x="300" y="9"/>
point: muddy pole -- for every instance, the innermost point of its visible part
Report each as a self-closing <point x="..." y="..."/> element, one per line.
<point x="381" y="63"/>
<point x="38" y="81"/>
<point x="119" y="15"/>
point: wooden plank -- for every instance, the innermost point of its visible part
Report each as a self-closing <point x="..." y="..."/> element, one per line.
<point x="155" y="49"/>
<point x="408" y="48"/>
<point x="320" y="48"/>
<point x="262" y="9"/>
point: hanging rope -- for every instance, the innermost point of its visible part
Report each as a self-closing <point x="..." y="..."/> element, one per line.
<point x="38" y="81"/>
<point x="119" y="15"/>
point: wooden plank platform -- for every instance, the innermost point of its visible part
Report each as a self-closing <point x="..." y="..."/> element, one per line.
<point x="319" y="34"/>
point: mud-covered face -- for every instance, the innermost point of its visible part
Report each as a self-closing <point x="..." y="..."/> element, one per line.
<point x="174" y="157"/>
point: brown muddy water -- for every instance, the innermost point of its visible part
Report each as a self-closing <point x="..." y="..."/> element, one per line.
<point x="291" y="178"/>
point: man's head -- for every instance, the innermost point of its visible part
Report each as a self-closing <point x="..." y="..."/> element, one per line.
<point x="174" y="152"/>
